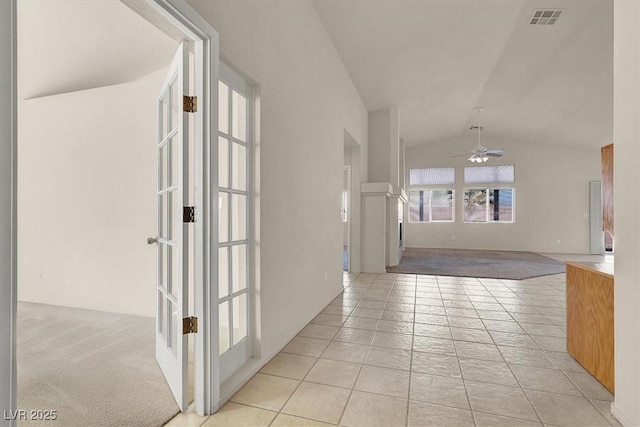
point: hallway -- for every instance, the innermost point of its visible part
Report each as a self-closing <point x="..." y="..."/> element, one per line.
<point x="397" y="350"/>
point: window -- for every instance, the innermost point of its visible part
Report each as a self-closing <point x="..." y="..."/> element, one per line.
<point x="489" y="174"/>
<point x="431" y="205"/>
<point x="432" y="176"/>
<point x="489" y="205"/>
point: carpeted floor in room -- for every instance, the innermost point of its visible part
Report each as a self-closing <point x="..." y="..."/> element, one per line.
<point x="477" y="263"/>
<point x="93" y="368"/>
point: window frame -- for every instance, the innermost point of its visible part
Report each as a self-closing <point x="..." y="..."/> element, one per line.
<point x="436" y="184"/>
<point x="430" y="190"/>
<point x="487" y="210"/>
<point x="464" y="175"/>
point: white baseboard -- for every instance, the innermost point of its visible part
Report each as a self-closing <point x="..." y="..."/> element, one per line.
<point x="622" y="419"/>
<point x="252" y="367"/>
<point x="240" y="378"/>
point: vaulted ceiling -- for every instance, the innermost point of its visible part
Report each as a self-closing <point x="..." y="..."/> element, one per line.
<point x="436" y="60"/>
<point x="65" y="46"/>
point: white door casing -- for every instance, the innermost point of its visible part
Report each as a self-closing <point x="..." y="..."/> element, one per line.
<point x="172" y="240"/>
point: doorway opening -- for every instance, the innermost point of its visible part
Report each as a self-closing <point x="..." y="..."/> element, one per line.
<point x="86" y="181"/>
<point x="350" y="213"/>
<point x="346" y="200"/>
<point x="89" y="194"/>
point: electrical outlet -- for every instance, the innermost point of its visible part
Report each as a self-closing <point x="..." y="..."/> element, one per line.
<point x="326" y="277"/>
<point x="557" y="241"/>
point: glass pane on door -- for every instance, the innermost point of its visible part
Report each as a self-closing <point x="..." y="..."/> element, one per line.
<point x="223" y="316"/>
<point x="239" y="267"/>
<point x="164" y="116"/>
<point x="238" y="217"/>
<point x="223" y="162"/>
<point x="239" y="116"/>
<point x="176" y="106"/>
<point x="165" y="158"/>
<point x="223" y="217"/>
<point x="239" y="167"/>
<point x="223" y="272"/>
<point x="239" y="318"/>
<point x="174" y="166"/>
<point x="173" y="326"/>
<point x="165" y="262"/>
<point x="223" y="107"/>
<point x="164" y="217"/>
<point x="162" y="315"/>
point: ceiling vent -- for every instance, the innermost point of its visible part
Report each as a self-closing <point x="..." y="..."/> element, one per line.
<point x="545" y="17"/>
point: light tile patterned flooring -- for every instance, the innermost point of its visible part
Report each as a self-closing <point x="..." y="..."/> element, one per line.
<point x="407" y="350"/>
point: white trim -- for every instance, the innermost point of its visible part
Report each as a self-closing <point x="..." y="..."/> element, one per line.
<point x="235" y="79"/>
<point x="618" y="415"/>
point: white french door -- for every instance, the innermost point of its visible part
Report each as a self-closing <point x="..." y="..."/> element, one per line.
<point x="172" y="283"/>
<point x="234" y="225"/>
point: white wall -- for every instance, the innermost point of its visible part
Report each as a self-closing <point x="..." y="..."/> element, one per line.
<point x="627" y="211"/>
<point x="382" y="123"/>
<point x="552" y="198"/>
<point x="307" y="101"/>
<point x="374" y="227"/>
<point x="7" y="206"/>
<point x="87" y="184"/>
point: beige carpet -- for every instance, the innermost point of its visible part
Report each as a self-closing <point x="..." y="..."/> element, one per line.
<point x="477" y="263"/>
<point x="94" y="368"/>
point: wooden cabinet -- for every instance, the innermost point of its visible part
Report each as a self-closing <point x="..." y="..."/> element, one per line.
<point x="590" y="319"/>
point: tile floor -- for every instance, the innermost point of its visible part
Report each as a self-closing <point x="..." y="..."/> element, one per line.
<point x="407" y="350"/>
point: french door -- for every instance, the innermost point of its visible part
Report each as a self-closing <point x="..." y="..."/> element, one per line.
<point x="172" y="195"/>
<point x="234" y="225"/>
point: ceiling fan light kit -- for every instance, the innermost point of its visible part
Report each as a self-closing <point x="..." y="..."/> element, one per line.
<point x="481" y="154"/>
<point x="478" y="158"/>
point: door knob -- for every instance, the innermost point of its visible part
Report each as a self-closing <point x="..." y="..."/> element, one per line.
<point x="152" y="240"/>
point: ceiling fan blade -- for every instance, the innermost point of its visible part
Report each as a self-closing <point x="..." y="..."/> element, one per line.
<point x="460" y="155"/>
<point x="494" y="153"/>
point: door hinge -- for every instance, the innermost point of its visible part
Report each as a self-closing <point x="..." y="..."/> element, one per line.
<point x="188" y="214"/>
<point x="189" y="325"/>
<point x="189" y="104"/>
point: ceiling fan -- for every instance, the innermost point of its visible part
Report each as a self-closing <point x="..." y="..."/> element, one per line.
<point x="480" y="154"/>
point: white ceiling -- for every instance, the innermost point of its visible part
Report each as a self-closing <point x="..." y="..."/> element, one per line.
<point x="438" y="59"/>
<point x="434" y="59"/>
<point x="70" y="45"/>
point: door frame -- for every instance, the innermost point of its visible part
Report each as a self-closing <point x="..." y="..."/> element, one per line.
<point x="182" y="22"/>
